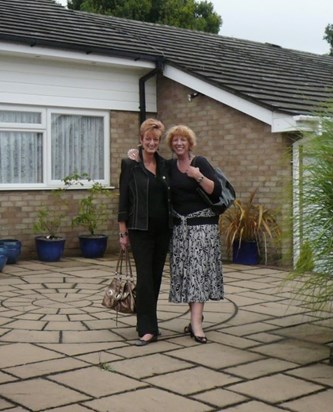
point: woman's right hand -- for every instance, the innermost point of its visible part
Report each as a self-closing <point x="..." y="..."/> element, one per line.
<point x="133" y="154"/>
<point x="124" y="242"/>
<point x="123" y="235"/>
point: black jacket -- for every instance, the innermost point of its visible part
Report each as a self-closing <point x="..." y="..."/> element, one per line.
<point x="134" y="189"/>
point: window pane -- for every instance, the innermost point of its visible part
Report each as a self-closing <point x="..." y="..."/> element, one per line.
<point x="21" y="157"/>
<point x="7" y="116"/>
<point x="77" y="145"/>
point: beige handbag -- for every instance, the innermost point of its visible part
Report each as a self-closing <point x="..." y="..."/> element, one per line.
<point x="120" y="294"/>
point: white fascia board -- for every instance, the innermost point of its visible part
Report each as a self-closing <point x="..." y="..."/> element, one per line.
<point x="279" y="122"/>
<point x="73" y="56"/>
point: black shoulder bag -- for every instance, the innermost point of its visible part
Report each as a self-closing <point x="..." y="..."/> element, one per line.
<point x="227" y="195"/>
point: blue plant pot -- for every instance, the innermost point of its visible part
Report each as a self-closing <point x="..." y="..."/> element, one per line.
<point x="93" y="246"/>
<point x="12" y="249"/>
<point x="49" y="250"/>
<point x="3" y="260"/>
<point x="246" y="253"/>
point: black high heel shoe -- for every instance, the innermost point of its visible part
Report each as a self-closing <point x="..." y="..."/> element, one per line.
<point x="199" y="339"/>
<point x="188" y="328"/>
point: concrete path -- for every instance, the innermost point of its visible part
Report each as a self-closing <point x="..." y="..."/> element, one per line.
<point x="61" y="350"/>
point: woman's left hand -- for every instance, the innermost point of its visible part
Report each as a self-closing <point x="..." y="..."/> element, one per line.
<point x="193" y="172"/>
<point x="206" y="184"/>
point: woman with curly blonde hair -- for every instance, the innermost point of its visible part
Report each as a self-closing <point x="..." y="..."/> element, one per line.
<point x="195" y="251"/>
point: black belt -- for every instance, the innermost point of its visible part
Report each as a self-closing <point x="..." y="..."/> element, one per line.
<point x="192" y="221"/>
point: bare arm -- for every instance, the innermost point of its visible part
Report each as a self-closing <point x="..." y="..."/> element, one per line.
<point x="206" y="184"/>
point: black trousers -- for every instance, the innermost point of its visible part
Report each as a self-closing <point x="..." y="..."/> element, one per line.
<point x="149" y="249"/>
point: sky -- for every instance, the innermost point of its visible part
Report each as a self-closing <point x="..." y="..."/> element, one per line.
<point x="293" y="24"/>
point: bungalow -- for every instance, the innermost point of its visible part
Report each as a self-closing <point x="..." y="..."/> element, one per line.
<point x="74" y="87"/>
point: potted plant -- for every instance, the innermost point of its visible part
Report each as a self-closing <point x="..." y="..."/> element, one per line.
<point x="92" y="213"/>
<point x="246" y="226"/>
<point x="50" y="246"/>
<point x="3" y="260"/>
<point x="11" y="248"/>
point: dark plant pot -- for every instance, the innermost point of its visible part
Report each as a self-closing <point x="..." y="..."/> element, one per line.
<point x="12" y="249"/>
<point x="93" y="246"/>
<point x="3" y="260"/>
<point x="50" y="250"/>
<point x="246" y="253"/>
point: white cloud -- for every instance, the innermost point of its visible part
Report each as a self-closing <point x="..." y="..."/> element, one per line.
<point x="294" y="24"/>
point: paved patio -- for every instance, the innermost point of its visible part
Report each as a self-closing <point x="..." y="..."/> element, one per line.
<point x="60" y="350"/>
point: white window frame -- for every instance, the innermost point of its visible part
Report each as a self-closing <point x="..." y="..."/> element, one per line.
<point x="45" y="129"/>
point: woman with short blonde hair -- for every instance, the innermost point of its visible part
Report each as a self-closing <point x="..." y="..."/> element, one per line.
<point x="145" y="223"/>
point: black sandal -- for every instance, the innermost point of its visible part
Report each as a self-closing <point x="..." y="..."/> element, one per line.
<point x="188" y="328"/>
<point x="199" y="339"/>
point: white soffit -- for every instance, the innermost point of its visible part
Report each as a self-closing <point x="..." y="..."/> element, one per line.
<point x="73" y="56"/>
<point x="278" y="121"/>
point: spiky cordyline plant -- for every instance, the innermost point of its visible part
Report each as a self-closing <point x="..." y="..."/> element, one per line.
<point x="249" y="221"/>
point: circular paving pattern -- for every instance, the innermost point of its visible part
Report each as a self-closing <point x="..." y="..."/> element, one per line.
<point x="59" y="305"/>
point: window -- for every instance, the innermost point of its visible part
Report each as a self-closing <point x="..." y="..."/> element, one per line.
<point x="38" y="148"/>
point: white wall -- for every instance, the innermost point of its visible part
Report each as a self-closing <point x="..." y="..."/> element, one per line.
<point x="39" y="81"/>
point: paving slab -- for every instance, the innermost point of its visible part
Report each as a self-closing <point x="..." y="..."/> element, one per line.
<point x="262" y="367"/>
<point x="61" y="350"/>
<point x="316" y="373"/>
<point x="149" y="365"/>
<point x="295" y="350"/>
<point x="191" y="381"/>
<point x="319" y="402"/>
<point x="214" y="355"/>
<point x="149" y="399"/>
<point x="4" y="405"/>
<point x="285" y="387"/>
<point x="254" y="406"/>
<point x="39" y="394"/>
<point x="72" y="349"/>
<point x="308" y="332"/>
<point x="23" y="353"/>
<point x="72" y="408"/>
<point x="97" y="381"/>
<point x="220" y="398"/>
<point x="45" y="368"/>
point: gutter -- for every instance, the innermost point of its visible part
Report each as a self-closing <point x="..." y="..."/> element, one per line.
<point x="88" y="49"/>
<point x="142" y="88"/>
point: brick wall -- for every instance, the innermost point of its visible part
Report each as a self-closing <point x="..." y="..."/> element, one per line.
<point x="19" y="210"/>
<point x="250" y="155"/>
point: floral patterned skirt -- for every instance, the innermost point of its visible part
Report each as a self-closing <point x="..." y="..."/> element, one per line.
<point x="195" y="261"/>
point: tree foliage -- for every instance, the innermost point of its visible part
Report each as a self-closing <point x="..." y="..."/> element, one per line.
<point x="329" y="36"/>
<point x="189" y="14"/>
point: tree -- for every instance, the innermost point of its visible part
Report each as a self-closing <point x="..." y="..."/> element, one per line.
<point x="329" y="36"/>
<point x="189" y="14"/>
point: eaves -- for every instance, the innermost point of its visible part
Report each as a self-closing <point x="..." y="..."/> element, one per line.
<point x="279" y="120"/>
<point x="56" y="47"/>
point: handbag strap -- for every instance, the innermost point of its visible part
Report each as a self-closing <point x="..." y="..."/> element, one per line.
<point x="119" y="267"/>
<point x="129" y="273"/>
<point x="124" y="256"/>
